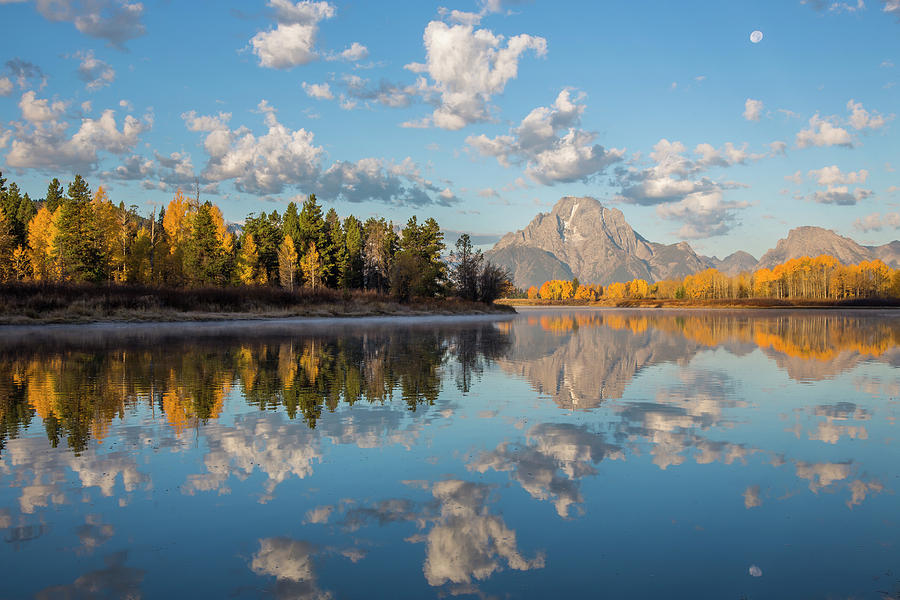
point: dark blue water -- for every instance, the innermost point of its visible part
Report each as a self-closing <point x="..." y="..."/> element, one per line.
<point x="583" y="454"/>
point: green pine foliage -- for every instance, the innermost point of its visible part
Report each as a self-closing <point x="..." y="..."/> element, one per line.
<point x="78" y="239"/>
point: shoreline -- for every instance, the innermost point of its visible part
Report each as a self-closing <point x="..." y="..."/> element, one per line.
<point x="729" y="304"/>
<point x="308" y="314"/>
<point x="66" y="304"/>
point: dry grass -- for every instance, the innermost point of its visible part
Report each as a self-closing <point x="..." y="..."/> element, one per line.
<point x="55" y="303"/>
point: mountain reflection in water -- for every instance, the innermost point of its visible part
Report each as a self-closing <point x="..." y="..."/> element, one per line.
<point x="534" y="456"/>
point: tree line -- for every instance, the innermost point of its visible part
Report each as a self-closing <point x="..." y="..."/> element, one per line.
<point x="189" y="381"/>
<point x="81" y="236"/>
<point x="820" y="278"/>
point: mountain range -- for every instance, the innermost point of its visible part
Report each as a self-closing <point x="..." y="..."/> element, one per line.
<point x="582" y="238"/>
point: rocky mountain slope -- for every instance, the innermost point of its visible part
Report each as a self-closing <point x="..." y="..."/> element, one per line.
<point x="582" y="238"/>
<point x="813" y="241"/>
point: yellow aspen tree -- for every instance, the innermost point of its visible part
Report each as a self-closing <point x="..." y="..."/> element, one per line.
<point x="638" y="288"/>
<point x="20" y="263"/>
<point x="311" y="265"/>
<point x="287" y="263"/>
<point x="247" y="264"/>
<point x="40" y="241"/>
<point x="106" y="218"/>
<point x="616" y="290"/>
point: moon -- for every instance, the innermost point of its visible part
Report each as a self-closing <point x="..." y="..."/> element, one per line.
<point x="756" y="36"/>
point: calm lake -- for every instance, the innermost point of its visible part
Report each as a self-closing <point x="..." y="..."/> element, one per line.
<point x="554" y="453"/>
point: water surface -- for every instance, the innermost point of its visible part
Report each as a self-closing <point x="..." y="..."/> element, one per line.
<point x="604" y="453"/>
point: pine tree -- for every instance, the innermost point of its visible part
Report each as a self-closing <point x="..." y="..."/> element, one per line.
<point x="54" y="195"/>
<point x="334" y="253"/>
<point x="24" y="214"/>
<point x="267" y="236"/>
<point x="7" y="247"/>
<point x="424" y="245"/>
<point x="310" y="225"/>
<point x="465" y="268"/>
<point x="79" y="191"/>
<point x="75" y="249"/>
<point x="352" y="272"/>
<point x="204" y="253"/>
<point x="291" y="222"/>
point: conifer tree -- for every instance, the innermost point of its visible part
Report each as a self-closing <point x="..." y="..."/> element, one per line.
<point x="54" y="195"/>
<point x="310" y="225"/>
<point x="352" y="271"/>
<point x="75" y="246"/>
<point x="7" y="247"/>
<point x="79" y="191"/>
<point x="334" y="255"/>
<point x="204" y="253"/>
<point x="267" y="234"/>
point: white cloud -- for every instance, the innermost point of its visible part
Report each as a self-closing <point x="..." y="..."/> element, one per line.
<point x="877" y="222"/>
<point x="674" y="175"/>
<point x="797" y="177"/>
<point x="176" y="169"/>
<point x="320" y="91"/>
<point x="550" y="156"/>
<point x="374" y="178"/>
<point x="115" y="21"/>
<point x="836" y="7"/>
<point x="676" y="184"/>
<point x="290" y="562"/>
<point x="860" y="118"/>
<point x="206" y="123"/>
<point x="752" y="109"/>
<point x="892" y="7"/>
<point x="467" y="67"/>
<point x="471" y="18"/>
<point x="45" y="145"/>
<point x="23" y="71"/>
<point x="836" y="186"/>
<point x="283" y="158"/>
<point x="6" y="86"/>
<point x="385" y="93"/>
<point x="832" y="176"/>
<point x="36" y="110"/>
<point x="822" y="132"/>
<point x="292" y="41"/>
<point x="264" y="164"/>
<point x="829" y="131"/>
<point x="355" y="52"/>
<point x="840" y="195"/>
<point x="467" y="542"/>
<point x="132" y="168"/>
<point x="94" y="72"/>
<point x="705" y="214"/>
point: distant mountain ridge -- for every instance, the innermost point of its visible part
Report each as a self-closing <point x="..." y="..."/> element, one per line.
<point x="582" y="238"/>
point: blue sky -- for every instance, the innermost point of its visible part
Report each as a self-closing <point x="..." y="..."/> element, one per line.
<point x="479" y="113"/>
